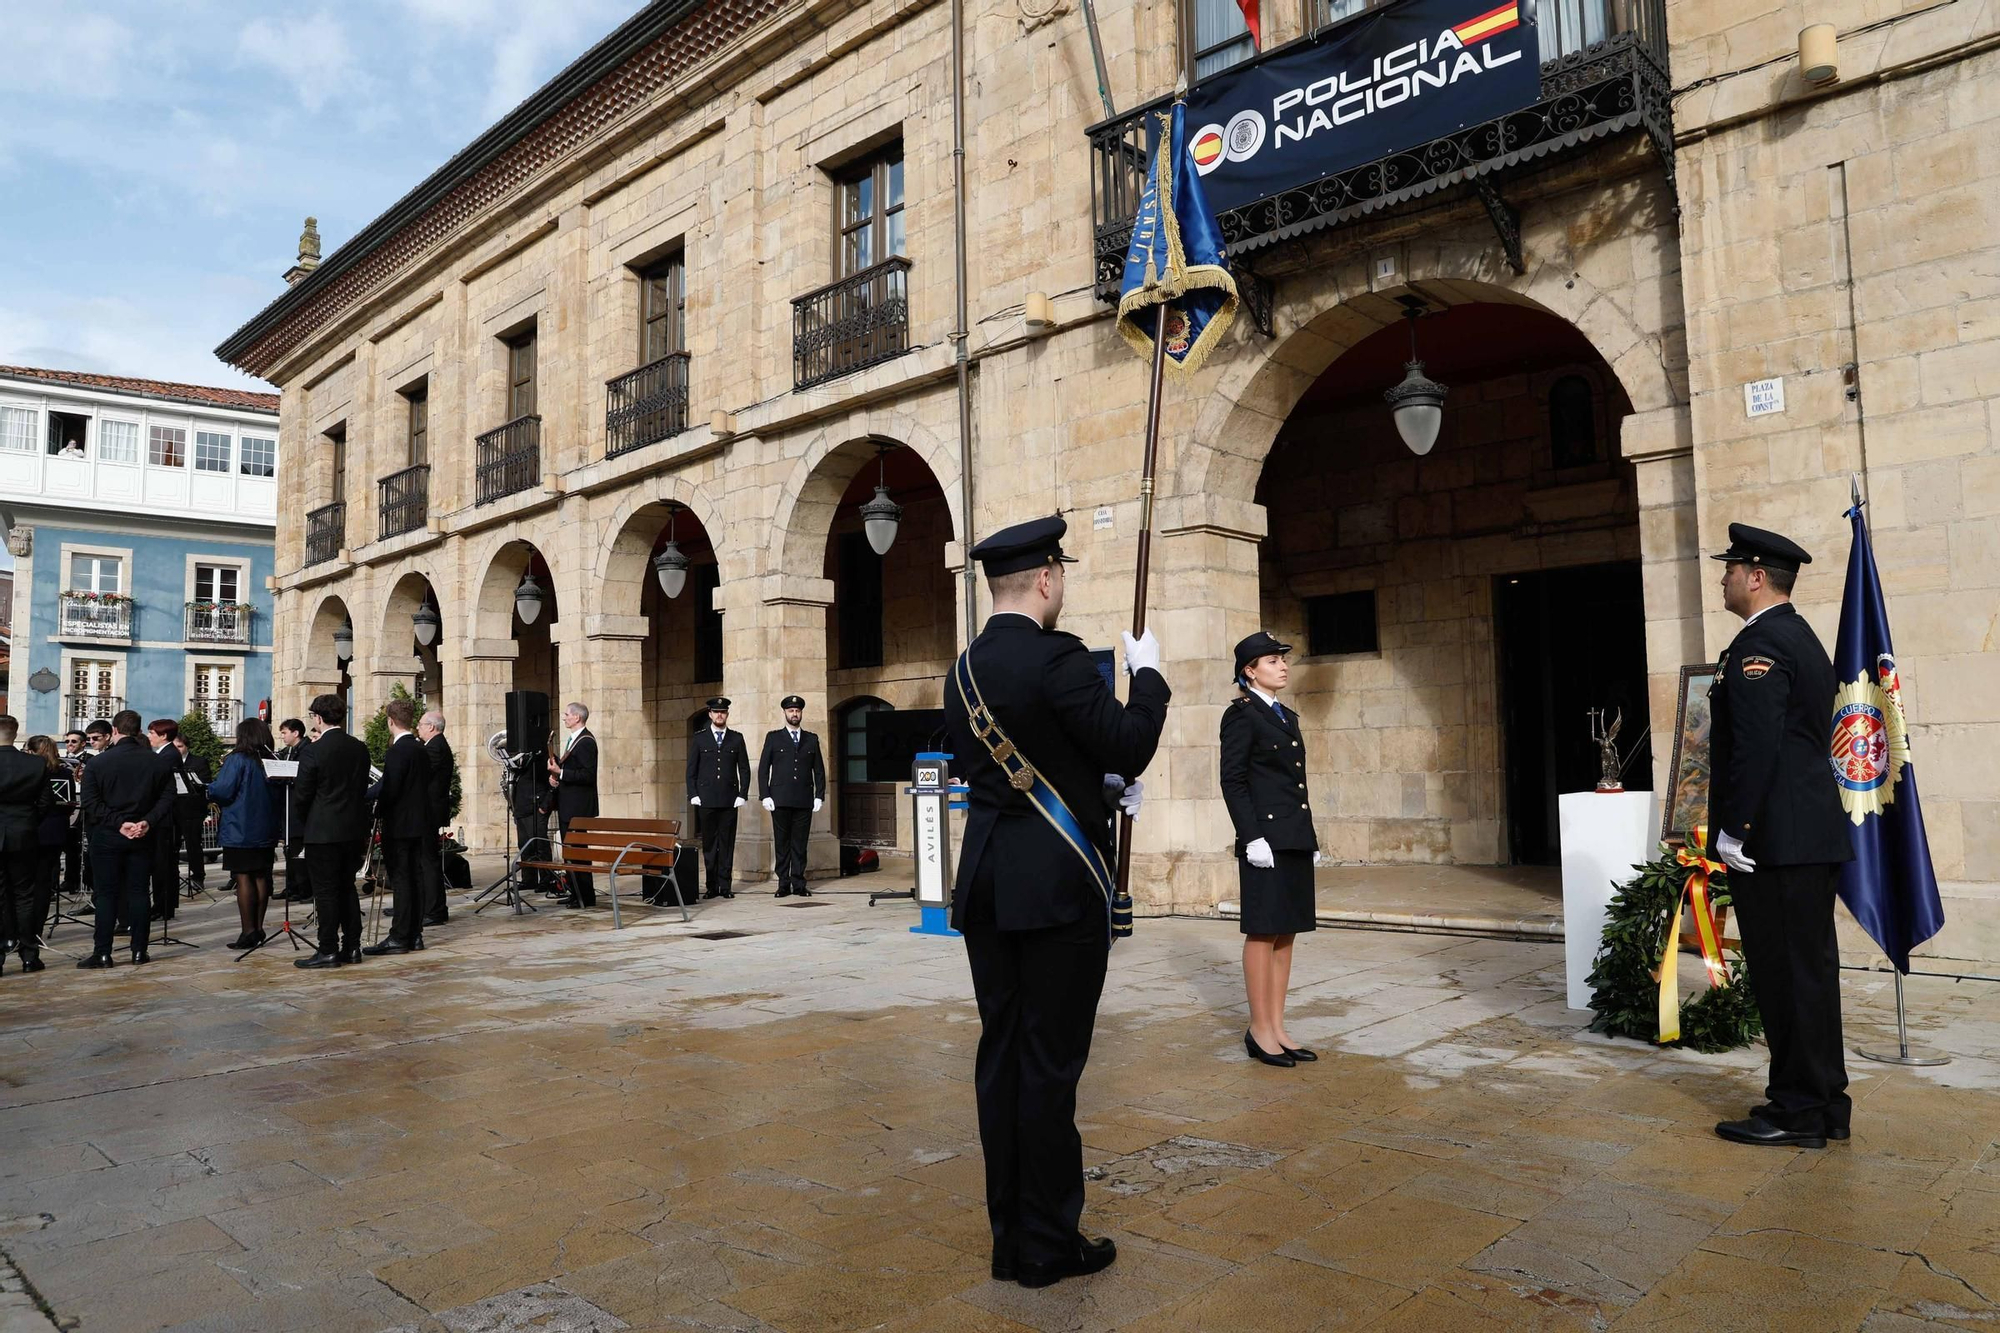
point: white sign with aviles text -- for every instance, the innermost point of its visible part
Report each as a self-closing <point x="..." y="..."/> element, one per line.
<point x="1764" y="398"/>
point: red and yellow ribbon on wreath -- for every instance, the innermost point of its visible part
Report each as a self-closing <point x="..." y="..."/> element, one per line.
<point x="1693" y="891"/>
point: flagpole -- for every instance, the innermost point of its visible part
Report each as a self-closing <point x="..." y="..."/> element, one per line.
<point x="1140" y="579"/>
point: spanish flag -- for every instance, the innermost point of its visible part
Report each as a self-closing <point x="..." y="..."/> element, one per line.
<point x="1486" y="25"/>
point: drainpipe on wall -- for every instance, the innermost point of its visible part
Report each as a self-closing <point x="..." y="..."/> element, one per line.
<point x="960" y="333"/>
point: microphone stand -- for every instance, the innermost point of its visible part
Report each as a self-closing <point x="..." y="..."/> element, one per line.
<point x="508" y="885"/>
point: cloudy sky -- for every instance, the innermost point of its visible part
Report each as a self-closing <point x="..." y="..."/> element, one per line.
<point x="157" y="157"/>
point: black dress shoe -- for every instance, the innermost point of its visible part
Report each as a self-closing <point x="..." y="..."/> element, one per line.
<point x="1759" y="1131"/>
<point x="1004" y="1270"/>
<point x="140" y="956"/>
<point x="1838" y="1132"/>
<point x="386" y="947"/>
<point x="243" y="940"/>
<point x="351" y="954"/>
<point x="315" y="961"/>
<point x="437" y="920"/>
<point x="1301" y="1055"/>
<point x="97" y="960"/>
<point x="710" y="894"/>
<point x="1258" y="1053"/>
<point x="782" y="893"/>
<point x="802" y="892"/>
<point x="1091" y="1256"/>
<point x="33" y="963"/>
<point x="729" y="893"/>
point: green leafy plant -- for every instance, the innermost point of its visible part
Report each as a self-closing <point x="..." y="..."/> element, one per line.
<point x="1624" y="989"/>
<point x="376" y="735"/>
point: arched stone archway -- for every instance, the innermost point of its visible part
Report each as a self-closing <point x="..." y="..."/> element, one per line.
<point x="502" y="654"/>
<point x="812" y="493"/>
<point x="419" y="665"/>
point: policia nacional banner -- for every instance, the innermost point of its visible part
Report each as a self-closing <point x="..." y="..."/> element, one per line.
<point x="1390" y="80"/>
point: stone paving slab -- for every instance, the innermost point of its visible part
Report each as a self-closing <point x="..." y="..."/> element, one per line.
<point x="542" y="1123"/>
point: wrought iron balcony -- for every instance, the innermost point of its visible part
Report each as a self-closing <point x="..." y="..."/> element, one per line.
<point x="510" y="459"/>
<point x="94" y="615"/>
<point x="326" y="532"/>
<point x="851" y="324"/>
<point x="1604" y="71"/>
<point x="405" y="501"/>
<point x="646" y="405"/>
<point x="217" y="712"/>
<point x="82" y="709"/>
<point x="217" y="622"/>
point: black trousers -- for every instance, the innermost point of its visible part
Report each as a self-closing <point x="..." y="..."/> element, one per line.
<point x="187" y="825"/>
<point x="1038" y="993"/>
<point x="581" y="887"/>
<point x="718" y="845"/>
<point x="1785" y="917"/>
<point x="121" y="873"/>
<point x="27" y="878"/>
<point x="788" y="838"/>
<point x="531" y="842"/>
<point x="73" y="859"/>
<point x="164" y="842"/>
<point x="430" y="874"/>
<point x="402" y="861"/>
<point x="332" y="867"/>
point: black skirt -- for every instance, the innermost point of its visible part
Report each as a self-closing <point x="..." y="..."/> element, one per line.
<point x="248" y="860"/>
<point x="1278" y="901"/>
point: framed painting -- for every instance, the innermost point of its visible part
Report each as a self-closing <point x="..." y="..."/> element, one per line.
<point x="1687" y="791"/>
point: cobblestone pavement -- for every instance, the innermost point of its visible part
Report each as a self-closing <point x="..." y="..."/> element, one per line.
<point x="542" y="1124"/>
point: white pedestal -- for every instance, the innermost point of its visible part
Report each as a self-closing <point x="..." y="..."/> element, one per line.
<point x="1603" y="836"/>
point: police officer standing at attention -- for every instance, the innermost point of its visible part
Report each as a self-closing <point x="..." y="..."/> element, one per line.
<point x="718" y="784"/>
<point x="791" y="779"/>
<point x="1776" y="822"/>
<point x="1049" y="754"/>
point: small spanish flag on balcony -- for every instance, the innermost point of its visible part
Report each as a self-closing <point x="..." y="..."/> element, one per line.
<point x="1486" y="25"/>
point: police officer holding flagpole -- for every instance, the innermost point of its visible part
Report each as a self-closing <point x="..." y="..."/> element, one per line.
<point x="1776" y="821"/>
<point x="1049" y="754"/>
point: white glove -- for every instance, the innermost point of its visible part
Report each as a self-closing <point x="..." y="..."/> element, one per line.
<point x="769" y="804"/>
<point x="1731" y="851"/>
<point x="740" y="803"/>
<point x="816" y="804"/>
<point x="1258" y="854"/>
<point x="1141" y="653"/>
<point x="694" y="800"/>
<point x="1125" y="795"/>
<point x="1319" y="858"/>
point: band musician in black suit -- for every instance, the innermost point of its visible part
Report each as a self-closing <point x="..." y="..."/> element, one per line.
<point x="330" y="814"/>
<point x="718" y="784"/>
<point x="293" y="744"/>
<point x="127" y="797"/>
<point x="437" y="750"/>
<point x="403" y="805"/>
<point x="573" y="791"/>
<point x="791" y="780"/>
<point x="24" y="798"/>
<point x="161" y="733"/>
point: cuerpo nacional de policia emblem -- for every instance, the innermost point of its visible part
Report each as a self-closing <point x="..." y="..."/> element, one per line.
<point x="1871" y="742"/>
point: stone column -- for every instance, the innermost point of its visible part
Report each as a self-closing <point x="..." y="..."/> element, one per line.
<point x="1660" y="444"/>
<point x="628" y="749"/>
<point x="791" y="659"/>
<point x="487" y="675"/>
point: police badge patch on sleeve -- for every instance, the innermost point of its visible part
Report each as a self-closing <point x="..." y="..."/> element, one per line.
<point x="1756" y="668"/>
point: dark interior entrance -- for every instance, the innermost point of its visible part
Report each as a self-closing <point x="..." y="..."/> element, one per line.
<point x="1570" y="640"/>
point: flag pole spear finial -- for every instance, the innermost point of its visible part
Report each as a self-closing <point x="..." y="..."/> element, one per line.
<point x="1854" y="488"/>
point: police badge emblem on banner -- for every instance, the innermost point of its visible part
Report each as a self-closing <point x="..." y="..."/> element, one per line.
<point x="1175" y="259"/>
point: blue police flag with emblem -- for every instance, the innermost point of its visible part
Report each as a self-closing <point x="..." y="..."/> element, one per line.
<point x="1889" y="885"/>
<point x="1175" y="259"/>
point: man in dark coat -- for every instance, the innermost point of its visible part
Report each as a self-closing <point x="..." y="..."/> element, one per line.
<point x="293" y="744"/>
<point x="1032" y="905"/>
<point x="573" y="795"/>
<point x="718" y="784"/>
<point x="791" y="780"/>
<point x="403" y="805"/>
<point x="127" y="797"/>
<point x="191" y="810"/>
<point x="330" y="814"/>
<point x="437" y="751"/>
<point x="24" y="798"/>
<point x="1776" y="821"/>
<point x="161" y="733"/>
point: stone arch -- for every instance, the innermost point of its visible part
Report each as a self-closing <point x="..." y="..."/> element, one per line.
<point x="618" y="581"/>
<point x="403" y="591"/>
<point x="317" y="661"/>
<point x="812" y="493"/>
<point x="500" y="562"/>
<point x="1329" y="311"/>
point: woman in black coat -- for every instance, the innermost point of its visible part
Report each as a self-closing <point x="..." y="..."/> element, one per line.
<point x="1264" y="787"/>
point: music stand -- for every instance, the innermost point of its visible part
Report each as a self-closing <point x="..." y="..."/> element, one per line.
<point x="286" y="930"/>
<point x="508" y="885"/>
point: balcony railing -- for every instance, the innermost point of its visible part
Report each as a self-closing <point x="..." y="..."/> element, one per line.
<point x="82" y="709"/>
<point x="326" y="532"/>
<point x="84" y="615"/>
<point x="1604" y="71"/>
<point x="405" y="502"/>
<point x="217" y="712"/>
<point x="217" y="622"/>
<point x="851" y="324"/>
<point x="510" y="459"/>
<point x="646" y="405"/>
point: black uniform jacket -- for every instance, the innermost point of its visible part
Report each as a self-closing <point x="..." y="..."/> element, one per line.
<point x="792" y="776"/>
<point x="437" y="750"/>
<point x="1046" y="694"/>
<point x="717" y="774"/>
<point x="330" y="795"/>
<point x="195" y="775"/>
<point x="404" y="805"/>
<point x="24" y="796"/>
<point x="126" y="784"/>
<point x="294" y="752"/>
<point x="1264" y="777"/>
<point x="575" y="794"/>
<point x="1771" y="780"/>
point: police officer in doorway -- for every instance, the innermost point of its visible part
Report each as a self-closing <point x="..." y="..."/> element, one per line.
<point x="718" y="784"/>
<point x="1049" y="754"/>
<point x="791" y="779"/>
<point x="1776" y="822"/>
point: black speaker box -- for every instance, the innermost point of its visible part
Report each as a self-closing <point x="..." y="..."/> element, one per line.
<point x="527" y="722"/>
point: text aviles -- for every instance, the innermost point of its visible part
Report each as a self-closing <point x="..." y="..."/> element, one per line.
<point x="1403" y="73"/>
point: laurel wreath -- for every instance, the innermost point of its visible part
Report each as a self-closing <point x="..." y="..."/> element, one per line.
<point x="1624" y="981"/>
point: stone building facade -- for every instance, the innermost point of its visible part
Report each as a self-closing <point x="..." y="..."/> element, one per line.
<point x="699" y="158"/>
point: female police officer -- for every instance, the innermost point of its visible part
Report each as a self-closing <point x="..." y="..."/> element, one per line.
<point x="1264" y="786"/>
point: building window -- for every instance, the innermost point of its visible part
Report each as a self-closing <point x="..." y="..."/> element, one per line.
<point x="216" y="583"/>
<point x="93" y="679"/>
<point x="167" y="446"/>
<point x="868" y="203"/>
<point x="17" y="430"/>
<point x="1333" y="11"/>
<point x="211" y="451"/>
<point x="213" y="680"/>
<point x="67" y="431"/>
<point x="1341" y="622"/>
<point x="858" y="602"/>
<point x="707" y="623"/>
<point x="117" y="441"/>
<point x="418" y="396"/>
<point x="336" y="440"/>
<point x="521" y="374"/>
<point x="1221" y="37"/>
<point x="1572" y="422"/>
<point x="95" y="573"/>
<point x="259" y="458"/>
<point x="662" y="309"/>
<point x="854" y="738"/>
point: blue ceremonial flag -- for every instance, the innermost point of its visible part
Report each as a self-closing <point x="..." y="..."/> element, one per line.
<point x="1175" y="259"/>
<point x="1889" y="885"/>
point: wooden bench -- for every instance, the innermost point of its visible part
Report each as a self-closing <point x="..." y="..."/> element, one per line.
<point x="605" y="846"/>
